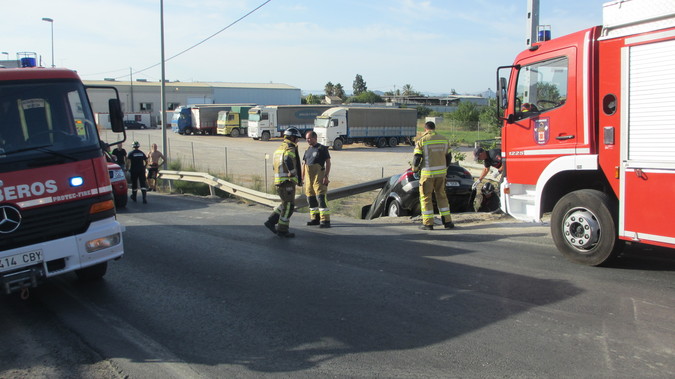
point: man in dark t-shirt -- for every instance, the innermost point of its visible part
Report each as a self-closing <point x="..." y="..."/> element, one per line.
<point x="315" y="170"/>
<point x="137" y="161"/>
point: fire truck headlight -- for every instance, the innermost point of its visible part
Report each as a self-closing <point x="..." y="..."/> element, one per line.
<point x="102" y="243"/>
<point x="76" y="181"/>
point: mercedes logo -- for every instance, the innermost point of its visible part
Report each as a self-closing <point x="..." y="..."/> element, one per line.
<point x="10" y="219"/>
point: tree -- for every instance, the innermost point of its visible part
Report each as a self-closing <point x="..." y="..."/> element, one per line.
<point x="409" y="91"/>
<point x="359" y="85"/>
<point x="339" y="91"/>
<point x="312" y="99"/>
<point x="466" y="111"/>
<point x="329" y="88"/>
<point x="369" y="97"/>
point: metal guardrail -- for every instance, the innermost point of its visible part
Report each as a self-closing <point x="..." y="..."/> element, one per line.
<point x="260" y="197"/>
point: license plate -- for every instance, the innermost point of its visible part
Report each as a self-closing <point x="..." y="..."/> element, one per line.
<point x="450" y="183"/>
<point x="20" y="260"/>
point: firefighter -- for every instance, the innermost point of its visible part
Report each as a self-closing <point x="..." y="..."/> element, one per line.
<point x="286" y="177"/>
<point x="490" y="158"/>
<point x="315" y="170"/>
<point x="431" y="160"/>
<point x="137" y="161"/>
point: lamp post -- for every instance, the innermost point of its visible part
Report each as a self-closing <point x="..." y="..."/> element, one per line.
<point x="51" y="21"/>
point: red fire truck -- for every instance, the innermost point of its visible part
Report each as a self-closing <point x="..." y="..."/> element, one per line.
<point x="57" y="213"/>
<point x="589" y="132"/>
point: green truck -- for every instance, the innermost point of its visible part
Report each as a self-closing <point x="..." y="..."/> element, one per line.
<point x="233" y="122"/>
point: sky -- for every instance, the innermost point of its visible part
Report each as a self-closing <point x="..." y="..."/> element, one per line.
<point x="435" y="46"/>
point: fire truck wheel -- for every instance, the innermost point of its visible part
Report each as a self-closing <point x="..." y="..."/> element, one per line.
<point x="92" y="273"/>
<point x="583" y="226"/>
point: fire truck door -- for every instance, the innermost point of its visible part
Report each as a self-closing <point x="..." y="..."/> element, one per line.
<point x="546" y="123"/>
<point x="648" y="142"/>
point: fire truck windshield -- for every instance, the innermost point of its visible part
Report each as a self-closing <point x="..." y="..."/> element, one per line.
<point x="53" y="115"/>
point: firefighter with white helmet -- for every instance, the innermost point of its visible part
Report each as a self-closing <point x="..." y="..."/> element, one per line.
<point x="286" y="177"/>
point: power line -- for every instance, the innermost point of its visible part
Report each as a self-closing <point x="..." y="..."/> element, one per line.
<point x="202" y="41"/>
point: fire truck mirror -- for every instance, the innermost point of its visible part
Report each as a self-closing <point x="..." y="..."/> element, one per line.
<point x="116" y="115"/>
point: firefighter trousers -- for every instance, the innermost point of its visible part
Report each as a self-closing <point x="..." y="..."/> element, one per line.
<point x="428" y="187"/>
<point x="282" y="213"/>
<point x="315" y="191"/>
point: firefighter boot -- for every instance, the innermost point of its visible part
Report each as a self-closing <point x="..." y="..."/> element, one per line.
<point x="325" y="224"/>
<point x="145" y="195"/>
<point x="314" y="220"/>
<point x="271" y="222"/>
<point x="286" y="234"/>
<point x="133" y="196"/>
<point x="447" y="222"/>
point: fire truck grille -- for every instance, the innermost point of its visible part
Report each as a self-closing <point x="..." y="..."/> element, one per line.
<point x="48" y="223"/>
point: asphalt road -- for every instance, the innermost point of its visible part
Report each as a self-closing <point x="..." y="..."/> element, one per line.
<point x="204" y="290"/>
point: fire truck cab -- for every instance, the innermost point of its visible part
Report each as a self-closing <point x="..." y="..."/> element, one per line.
<point x="589" y="132"/>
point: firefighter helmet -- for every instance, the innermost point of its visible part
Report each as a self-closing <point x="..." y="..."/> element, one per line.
<point x="136" y="144"/>
<point x="292" y="132"/>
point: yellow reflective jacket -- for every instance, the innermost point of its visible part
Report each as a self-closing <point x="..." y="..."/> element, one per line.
<point x="433" y="148"/>
<point x="286" y="163"/>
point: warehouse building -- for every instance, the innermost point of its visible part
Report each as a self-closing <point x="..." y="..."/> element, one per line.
<point x="144" y="96"/>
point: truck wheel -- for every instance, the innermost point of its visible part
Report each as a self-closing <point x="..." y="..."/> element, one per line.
<point x="337" y="144"/>
<point x="92" y="273"/>
<point x="393" y="141"/>
<point x="583" y="227"/>
<point x="381" y="142"/>
<point x="234" y="133"/>
<point x="265" y="136"/>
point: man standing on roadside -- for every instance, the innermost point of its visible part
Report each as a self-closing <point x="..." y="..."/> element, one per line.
<point x="315" y="170"/>
<point x="154" y="157"/>
<point x="431" y="160"/>
<point x="286" y="177"/>
<point x="120" y="156"/>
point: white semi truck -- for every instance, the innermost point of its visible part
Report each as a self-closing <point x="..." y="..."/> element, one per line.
<point x="380" y="127"/>
<point x="268" y="121"/>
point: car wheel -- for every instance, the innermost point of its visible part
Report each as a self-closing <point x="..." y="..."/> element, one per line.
<point x="393" y="142"/>
<point x="381" y="142"/>
<point x="583" y="227"/>
<point x="394" y="209"/>
<point x="265" y="136"/>
<point x="234" y="133"/>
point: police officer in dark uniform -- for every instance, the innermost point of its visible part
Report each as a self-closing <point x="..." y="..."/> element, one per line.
<point x="137" y="161"/>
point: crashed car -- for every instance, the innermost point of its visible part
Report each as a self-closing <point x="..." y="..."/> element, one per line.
<point x="400" y="196"/>
<point x="119" y="184"/>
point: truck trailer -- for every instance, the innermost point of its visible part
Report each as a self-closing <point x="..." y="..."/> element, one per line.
<point x="269" y="121"/>
<point x="380" y="127"/>
<point x="57" y="213"/>
<point x="234" y="122"/>
<point x="588" y="132"/>
<point x="197" y="118"/>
